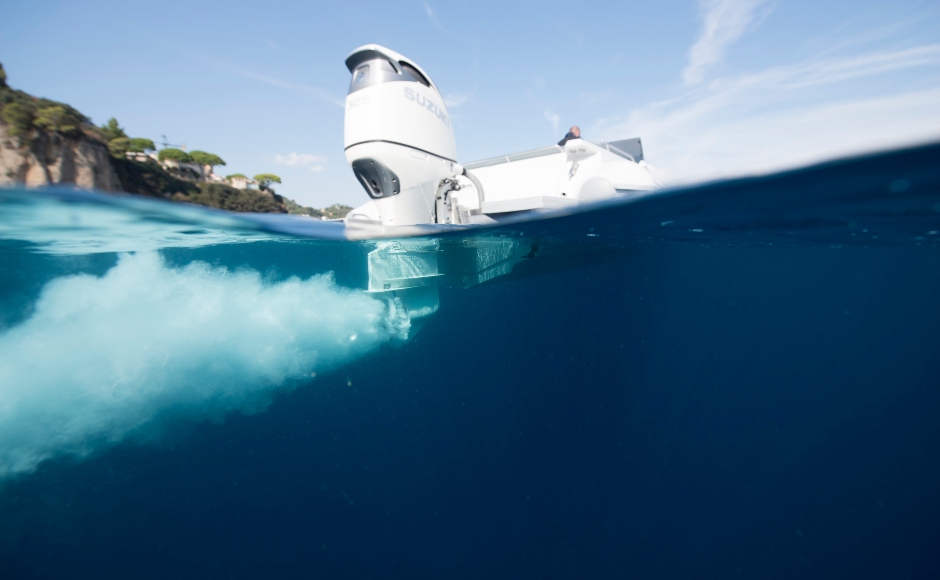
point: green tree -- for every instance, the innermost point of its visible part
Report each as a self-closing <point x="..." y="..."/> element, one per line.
<point x="203" y="158"/>
<point x="234" y="175"/>
<point x="266" y="179"/>
<point x="141" y="145"/>
<point x="119" y="147"/>
<point x="336" y="211"/>
<point x="3" y="77"/>
<point x="57" y="119"/>
<point x="111" y="130"/>
<point x="171" y="154"/>
<point x="19" y="119"/>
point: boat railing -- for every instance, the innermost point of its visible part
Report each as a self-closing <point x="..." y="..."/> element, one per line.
<point x="514" y="157"/>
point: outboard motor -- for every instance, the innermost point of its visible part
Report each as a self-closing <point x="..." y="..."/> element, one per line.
<point x="398" y="135"/>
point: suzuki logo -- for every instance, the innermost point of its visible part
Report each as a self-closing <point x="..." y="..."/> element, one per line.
<point x="426" y="103"/>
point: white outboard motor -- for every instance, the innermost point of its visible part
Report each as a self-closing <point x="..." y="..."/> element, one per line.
<point x="398" y="135"/>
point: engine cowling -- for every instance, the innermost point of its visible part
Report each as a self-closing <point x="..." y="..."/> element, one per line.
<point x="399" y="138"/>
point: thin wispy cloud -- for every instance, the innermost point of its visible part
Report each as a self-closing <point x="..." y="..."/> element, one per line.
<point x="538" y="83"/>
<point x="316" y="163"/>
<point x="454" y="100"/>
<point x="316" y="92"/>
<point x="596" y="97"/>
<point x="433" y="18"/>
<point x="833" y="70"/>
<point x="884" y="31"/>
<point x="464" y="33"/>
<point x="274" y="82"/>
<point x="786" y="116"/>
<point x="723" y="22"/>
<point x="553" y="118"/>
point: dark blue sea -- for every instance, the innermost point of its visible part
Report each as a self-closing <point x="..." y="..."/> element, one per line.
<point x="736" y="380"/>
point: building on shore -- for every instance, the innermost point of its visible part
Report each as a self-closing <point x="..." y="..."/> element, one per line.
<point x="242" y="182"/>
<point x="192" y="170"/>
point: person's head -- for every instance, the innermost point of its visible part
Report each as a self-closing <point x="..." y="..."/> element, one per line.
<point x="575" y="130"/>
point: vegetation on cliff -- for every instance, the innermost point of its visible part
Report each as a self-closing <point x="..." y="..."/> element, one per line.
<point x="333" y="212"/>
<point x="227" y="197"/>
<point x="28" y="120"/>
<point x="171" y="154"/>
<point x="265" y="180"/>
<point x="149" y="179"/>
<point x="25" y="115"/>
<point x="203" y="158"/>
<point x="152" y="180"/>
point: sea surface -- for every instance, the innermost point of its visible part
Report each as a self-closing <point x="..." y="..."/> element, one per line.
<point x="736" y="380"/>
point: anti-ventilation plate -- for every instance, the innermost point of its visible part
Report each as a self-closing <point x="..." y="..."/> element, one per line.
<point x="379" y="181"/>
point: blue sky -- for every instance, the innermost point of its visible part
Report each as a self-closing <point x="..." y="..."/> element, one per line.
<point x="715" y="87"/>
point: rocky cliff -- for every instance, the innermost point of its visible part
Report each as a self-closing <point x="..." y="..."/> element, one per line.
<point x="44" y="142"/>
<point x="47" y="158"/>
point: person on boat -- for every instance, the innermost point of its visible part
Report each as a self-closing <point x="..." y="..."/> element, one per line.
<point x="573" y="133"/>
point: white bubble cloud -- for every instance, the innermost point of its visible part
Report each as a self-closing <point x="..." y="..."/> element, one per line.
<point x="103" y="356"/>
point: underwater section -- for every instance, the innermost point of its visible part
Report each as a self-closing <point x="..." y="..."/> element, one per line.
<point x="732" y="380"/>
